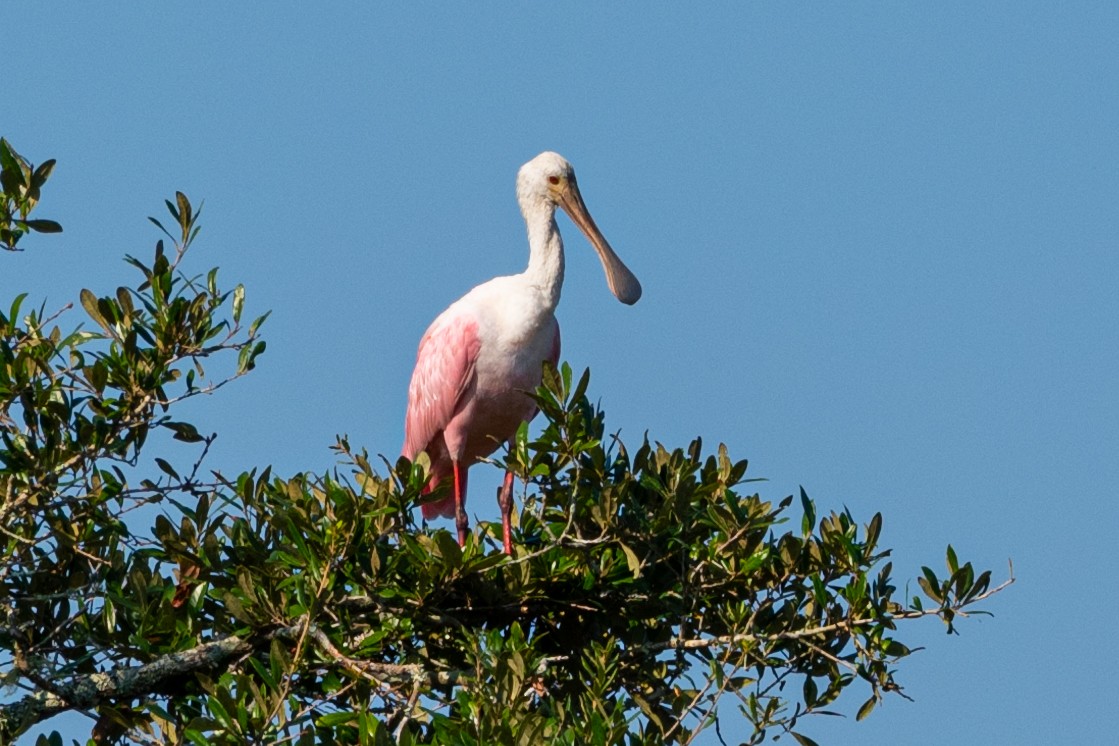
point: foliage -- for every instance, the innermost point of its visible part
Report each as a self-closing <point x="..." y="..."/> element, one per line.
<point x="21" y="183"/>
<point x="645" y="588"/>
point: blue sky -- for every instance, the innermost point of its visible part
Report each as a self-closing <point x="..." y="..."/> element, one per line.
<point x="878" y="244"/>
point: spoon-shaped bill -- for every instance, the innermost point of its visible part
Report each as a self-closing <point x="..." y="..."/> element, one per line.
<point x="622" y="282"/>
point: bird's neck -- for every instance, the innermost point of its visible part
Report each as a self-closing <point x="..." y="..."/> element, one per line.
<point x="545" y="259"/>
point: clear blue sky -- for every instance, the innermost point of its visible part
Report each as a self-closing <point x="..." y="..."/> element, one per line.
<point x="878" y="243"/>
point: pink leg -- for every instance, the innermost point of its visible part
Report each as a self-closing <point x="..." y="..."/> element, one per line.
<point x="505" y="500"/>
<point x="461" y="522"/>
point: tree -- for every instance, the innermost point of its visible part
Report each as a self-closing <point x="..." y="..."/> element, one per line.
<point x="647" y="586"/>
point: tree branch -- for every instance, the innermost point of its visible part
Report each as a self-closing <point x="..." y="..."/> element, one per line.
<point x="845" y="625"/>
<point x="125" y="683"/>
<point x="84" y="692"/>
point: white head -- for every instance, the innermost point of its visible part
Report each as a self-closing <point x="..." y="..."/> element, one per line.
<point x="537" y="180"/>
<point x="547" y="181"/>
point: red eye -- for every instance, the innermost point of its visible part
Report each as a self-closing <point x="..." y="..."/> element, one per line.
<point x="553" y="179"/>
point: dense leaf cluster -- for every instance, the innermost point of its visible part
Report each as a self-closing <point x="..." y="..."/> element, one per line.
<point x="650" y="593"/>
<point x="21" y="183"/>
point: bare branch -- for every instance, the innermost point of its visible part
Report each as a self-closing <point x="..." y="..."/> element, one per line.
<point x="124" y="683"/>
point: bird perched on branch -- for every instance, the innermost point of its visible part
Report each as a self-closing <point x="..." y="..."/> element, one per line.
<point x="478" y="358"/>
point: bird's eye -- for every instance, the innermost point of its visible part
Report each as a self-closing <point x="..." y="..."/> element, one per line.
<point x="553" y="179"/>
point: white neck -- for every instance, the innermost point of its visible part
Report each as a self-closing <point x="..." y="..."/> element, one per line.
<point x="545" y="259"/>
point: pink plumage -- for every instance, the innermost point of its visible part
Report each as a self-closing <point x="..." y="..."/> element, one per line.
<point x="479" y="359"/>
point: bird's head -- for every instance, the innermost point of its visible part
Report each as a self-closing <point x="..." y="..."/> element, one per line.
<point x="548" y="180"/>
<point x="544" y="178"/>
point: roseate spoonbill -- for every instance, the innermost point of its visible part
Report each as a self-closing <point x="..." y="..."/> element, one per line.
<point x="478" y="358"/>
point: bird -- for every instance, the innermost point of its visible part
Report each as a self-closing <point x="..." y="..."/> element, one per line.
<point x="479" y="360"/>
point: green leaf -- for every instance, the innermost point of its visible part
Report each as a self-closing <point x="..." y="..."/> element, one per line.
<point x="13" y="313"/>
<point x="962" y="580"/>
<point x="894" y="648"/>
<point x="184" y="431"/>
<point x="43" y="226"/>
<point x="979" y="587"/>
<point x="932" y="591"/>
<point x="42" y="173"/>
<point x="160" y="226"/>
<point x="819" y="592"/>
<point x="246" y="360"/>
<point x="449" y="549"/>
<point x="196" y="737"/>
<point x="756" y="560"/>
<point x="172" y="209"/>
<point x="632" y="561"/>
<point x="808" y="522"/>
<point x="811" y="692"/>
<point x="336" y="718"/>
<point x="581" y="387"/>
<point x="97" y="375"/>
<point x="256" y="324"/>
<point x="166" y="468"/>
<point x="12" y="180"/>
<point x="124" y="299"/>
<point x="238" y="302"/>
<point x="873" y="530"/>
<point x="7" y="154"/>
<point x="867" y="708"/>
<point x="90" y="304"/>
<point x="220" y="713"/>
<point x="184" y="215"/>
<point x="9" y="238"/>
<point x="930" y="576"/>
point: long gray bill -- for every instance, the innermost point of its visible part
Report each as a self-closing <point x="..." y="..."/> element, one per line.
<point x="623" y="284"/>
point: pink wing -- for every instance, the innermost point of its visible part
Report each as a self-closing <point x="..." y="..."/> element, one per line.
<point x="444" y="369"/>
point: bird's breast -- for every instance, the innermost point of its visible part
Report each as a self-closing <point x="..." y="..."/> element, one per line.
<point x="517" y="330"/>
<point x="511" y="357"/>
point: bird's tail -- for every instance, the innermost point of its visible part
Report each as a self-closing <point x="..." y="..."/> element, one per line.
<point x="444" y="508"/>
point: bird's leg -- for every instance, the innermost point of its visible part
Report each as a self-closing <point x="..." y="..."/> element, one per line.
<point x="505" y="500"/>
<point x="461" y="523"/>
